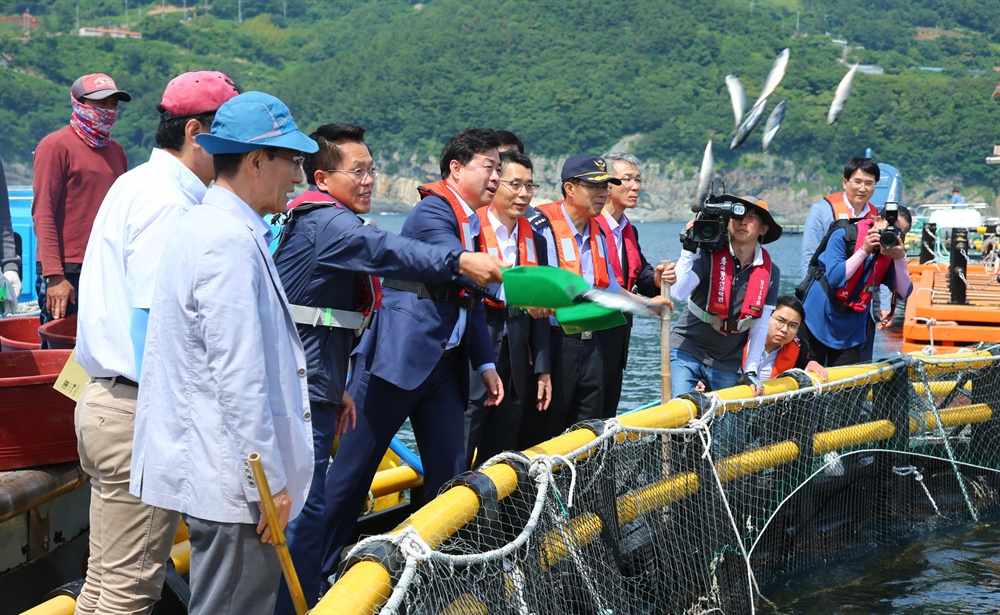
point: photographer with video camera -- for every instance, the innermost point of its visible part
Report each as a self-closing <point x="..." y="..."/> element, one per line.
<point x="731" y="286"/>
<point x="843" y="278"/>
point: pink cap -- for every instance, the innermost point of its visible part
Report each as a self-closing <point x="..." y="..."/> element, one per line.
<point x="196" y="92"/>
<point x="97" y="87"/>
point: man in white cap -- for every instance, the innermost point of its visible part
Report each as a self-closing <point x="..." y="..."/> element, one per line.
<point x="130" y="541"/>
<point x="74" y="168"/>
<point x="224" y="373"/>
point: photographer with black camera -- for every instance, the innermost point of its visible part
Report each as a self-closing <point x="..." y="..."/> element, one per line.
<point x="731" y="286"/>
<point x="843" y="278"/>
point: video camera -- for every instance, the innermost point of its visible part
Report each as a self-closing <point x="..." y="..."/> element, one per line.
<point x="711" y="227"/>
<point x="889" y="236"/>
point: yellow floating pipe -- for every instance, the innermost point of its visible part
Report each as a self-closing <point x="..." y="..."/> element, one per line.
<point x="740" y="465"/>
<point x="182" y="532"/>
<point x="645" y="500"/>
<point x="579" y="531"/>
<point x="59" y="605"/>
<point x="851" y="436"/>
<point x="395" y="480"/>
<point x="181" y="554"/>
<point x="466" y="604"/>
<point x="963" y="415"/>
<point x="674" y="413"/>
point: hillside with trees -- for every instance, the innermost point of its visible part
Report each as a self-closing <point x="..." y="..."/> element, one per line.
<point x="567" y="77"/>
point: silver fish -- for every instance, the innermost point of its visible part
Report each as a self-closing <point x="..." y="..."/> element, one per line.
<point x="749" y="123"/>
<point x="773" y="123"/>
<point x="705" y="176"/>
<point x="775" y="76"/>
<point x="616" y="301"/>
<point x="840" y="98"/>
<point x="738" y="96"/>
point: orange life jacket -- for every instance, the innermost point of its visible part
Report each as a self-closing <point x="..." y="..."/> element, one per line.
<point x="857" y="293"/>
<point x="441" y="190"/>
<point x="527" y="255"/>
<point x="569" y="254"/>
<point x="842" y="211"/>
<point x="788" y="356"/>
<point x="626" y="279"/>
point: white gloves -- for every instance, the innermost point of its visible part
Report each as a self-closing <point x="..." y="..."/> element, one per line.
<point x="11" y="283"/>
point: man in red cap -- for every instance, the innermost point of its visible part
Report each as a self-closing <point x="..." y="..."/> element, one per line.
<point x="74" y="168"/>
<point x="129" y="540"/>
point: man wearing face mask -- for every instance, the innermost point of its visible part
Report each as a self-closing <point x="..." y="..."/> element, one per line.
<point x="74" y="169"/>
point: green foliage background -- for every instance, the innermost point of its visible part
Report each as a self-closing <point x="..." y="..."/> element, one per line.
<point x="567" y="77"/>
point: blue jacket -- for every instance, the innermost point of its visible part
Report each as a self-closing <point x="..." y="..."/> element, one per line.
<point x="322" y="263"/>
<point x="409" y="334"/>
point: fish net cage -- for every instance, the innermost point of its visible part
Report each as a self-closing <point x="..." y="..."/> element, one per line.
<point x="699" y="504"/>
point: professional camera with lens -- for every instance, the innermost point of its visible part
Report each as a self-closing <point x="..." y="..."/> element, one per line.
<point x="711" y="227"/>
<point x="889" y="236"/>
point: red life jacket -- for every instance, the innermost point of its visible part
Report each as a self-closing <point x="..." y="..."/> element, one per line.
<point x="857" y="293"/>
<point x="626" y="279"/>
<point x="788" y="356"/>
<point x="721" y="285"/>
<point x="368" y="295"/>
<point x="565" y="237"/>
<point x="842" y="211"/>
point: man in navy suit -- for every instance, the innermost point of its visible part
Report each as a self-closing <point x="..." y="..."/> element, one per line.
<point x="520" y="342"/>
<point x="414" y="361"/>
<point x="328" y="259"/>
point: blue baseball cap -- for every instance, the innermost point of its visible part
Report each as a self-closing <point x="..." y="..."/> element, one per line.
<point x="254" y="120"/>
<point x="591" y="169"/>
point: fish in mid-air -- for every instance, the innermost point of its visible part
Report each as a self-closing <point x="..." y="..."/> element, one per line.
<point x="738" y="97"/>
<point x="775" y="76"/>
<point x="840" y="98"/>
<point x="773" y="123"/>
<point x="705" y="175"/>
<point x="748" y="125"/>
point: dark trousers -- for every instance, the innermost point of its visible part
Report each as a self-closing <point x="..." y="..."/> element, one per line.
<point x="831" y="357"/>
<point x="614" y="350"/>
<point x="435" y="409"/>
<point x="577" y="388"/>
<point x="304" y="534"/>
<point x="493" y="429"/>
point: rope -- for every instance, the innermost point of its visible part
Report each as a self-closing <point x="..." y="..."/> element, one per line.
<point x="912" y="470"/>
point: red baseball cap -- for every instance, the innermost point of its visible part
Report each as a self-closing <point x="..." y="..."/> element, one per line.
<point x="97" y="87"/>
<point x="196" y="92"/>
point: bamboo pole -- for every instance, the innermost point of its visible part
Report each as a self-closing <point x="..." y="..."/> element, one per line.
<point x="278" y="535"/>
<point x="664" y="343"/>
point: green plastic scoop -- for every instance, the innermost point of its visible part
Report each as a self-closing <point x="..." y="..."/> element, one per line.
<point x="578" y="306"/>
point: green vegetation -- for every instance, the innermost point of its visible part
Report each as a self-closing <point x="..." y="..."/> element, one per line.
<point x="566" y="77"/>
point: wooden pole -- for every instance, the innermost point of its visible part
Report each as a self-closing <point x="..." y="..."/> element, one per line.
<point x="665" y="344"/>
<point x="277" y="535"/>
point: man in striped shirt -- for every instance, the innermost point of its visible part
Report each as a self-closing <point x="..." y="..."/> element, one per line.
<point x="130" y="541"/>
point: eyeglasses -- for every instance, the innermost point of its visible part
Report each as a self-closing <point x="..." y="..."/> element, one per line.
<point x="516" y="187"/>
<point x="296" y="160"/>
<point x="628" y="181"/>
<point x="862" y="184"/>
<point x="785" y="324"/>
<point x="359" y="174"/>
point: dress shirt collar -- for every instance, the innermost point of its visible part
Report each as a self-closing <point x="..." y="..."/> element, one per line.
<point x="469" y="213"/>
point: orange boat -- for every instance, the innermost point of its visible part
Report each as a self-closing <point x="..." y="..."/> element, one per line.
<point x="932" y="319"/>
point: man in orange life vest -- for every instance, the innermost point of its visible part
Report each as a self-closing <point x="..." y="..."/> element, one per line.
<point x="632" y="270"/>
<point x="860" y="177"/>
<point x="328" y="260"/>
<point x="837" y="303"/>
<point x="520" y="342"/>
<point x="576" y="242"/>
<point x="731" y="293"/>
<point x="414" y="360"/>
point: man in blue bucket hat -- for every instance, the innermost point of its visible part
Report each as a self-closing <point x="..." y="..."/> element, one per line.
<point x="223" y="373"/>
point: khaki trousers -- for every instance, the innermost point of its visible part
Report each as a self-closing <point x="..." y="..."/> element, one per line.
<point x="129" y="540"/>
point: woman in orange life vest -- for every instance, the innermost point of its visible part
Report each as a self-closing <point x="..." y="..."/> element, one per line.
<point x="731" y="294"/>
<point x="784" y="350"/>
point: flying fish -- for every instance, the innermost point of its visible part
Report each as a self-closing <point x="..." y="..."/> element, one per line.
<point x="773" y="123"/>
<point x="705" y="175"/>
<point x="749" y="123"/>
<point x="738" y="97"/>
<point x="840" y="98"/>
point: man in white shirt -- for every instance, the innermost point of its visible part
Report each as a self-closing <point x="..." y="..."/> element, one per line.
<point x="130" y="541"/>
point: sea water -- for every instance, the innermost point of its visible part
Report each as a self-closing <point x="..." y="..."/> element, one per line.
<point x="952" y="572"/>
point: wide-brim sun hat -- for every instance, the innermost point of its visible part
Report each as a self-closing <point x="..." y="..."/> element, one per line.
<point x="773" y="228"/>
<point x="254" y="120"/>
